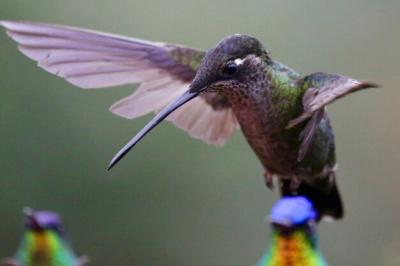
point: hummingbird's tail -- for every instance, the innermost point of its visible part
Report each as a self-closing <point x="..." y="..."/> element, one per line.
<point x="327" y="202"/>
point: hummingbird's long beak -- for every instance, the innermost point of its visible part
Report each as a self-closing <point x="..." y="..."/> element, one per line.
<point x="184" y="98"/>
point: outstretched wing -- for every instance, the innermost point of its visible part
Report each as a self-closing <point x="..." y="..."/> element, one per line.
<point x="322" y="89"/>
<point x="90" y="59"/>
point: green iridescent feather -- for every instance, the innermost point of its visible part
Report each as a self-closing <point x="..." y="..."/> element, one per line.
<point x="44" y="249"/>
<point x="297" y="249"/>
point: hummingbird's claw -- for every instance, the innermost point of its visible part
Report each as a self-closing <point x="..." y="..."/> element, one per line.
<point x="294" y="184"/>
<point x="269" y="180"/>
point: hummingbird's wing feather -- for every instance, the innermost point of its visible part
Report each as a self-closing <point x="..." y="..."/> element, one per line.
<point x="307" y="133"/>
<point x="91" y="59"/>
<point x="324" y="89"/>
<point x="200" y="120"/>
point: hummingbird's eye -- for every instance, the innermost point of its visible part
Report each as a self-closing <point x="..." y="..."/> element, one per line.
<point x="230" y="68"/>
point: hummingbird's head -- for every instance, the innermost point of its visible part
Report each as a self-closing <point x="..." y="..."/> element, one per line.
<point x="229" y="65"/>
<point x="291" y="214"/>
<point x="232" y="62"/>
<point x="39" y="221"/>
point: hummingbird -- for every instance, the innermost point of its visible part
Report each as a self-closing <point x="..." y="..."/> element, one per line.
<point x="44" y="242"/>
<point x="209" y="94"/>
<point x="293" y="239"/>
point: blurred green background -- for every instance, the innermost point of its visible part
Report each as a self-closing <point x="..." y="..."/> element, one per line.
<point x="175" y="200"/>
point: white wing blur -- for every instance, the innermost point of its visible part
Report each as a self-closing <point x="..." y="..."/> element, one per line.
<point x="91" y="59"/>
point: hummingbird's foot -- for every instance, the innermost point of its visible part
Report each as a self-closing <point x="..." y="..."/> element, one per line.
<point x="83" y="260"/>
<point x="294" y="184"/>
<point x="9" y="262"/>
<point x="269" y="180"/>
